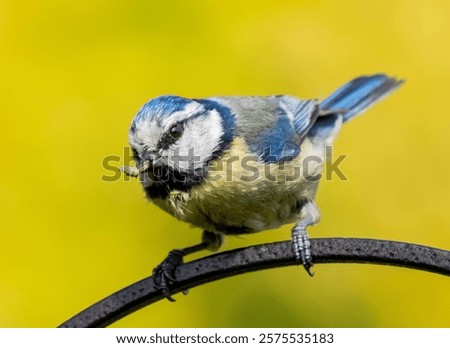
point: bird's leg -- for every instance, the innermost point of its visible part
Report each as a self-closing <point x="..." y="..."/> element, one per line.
<point x="309" y="215"/>
<point x="164" y="273"/>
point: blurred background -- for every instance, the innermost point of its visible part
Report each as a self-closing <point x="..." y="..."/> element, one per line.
<point x="74" y="73"/>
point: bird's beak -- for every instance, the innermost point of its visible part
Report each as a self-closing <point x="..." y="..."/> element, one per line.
<point x="152" y="161"/>
<point x="145" y="166"/>
<point x="130" y="171"/>
<point x="135" y="171"/>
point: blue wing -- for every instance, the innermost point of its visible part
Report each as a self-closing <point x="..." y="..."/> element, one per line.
<point x="294" y="118"/>
<point x="303" y="113"/>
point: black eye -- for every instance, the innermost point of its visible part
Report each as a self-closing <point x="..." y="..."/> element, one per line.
<point x="176" y="131"/>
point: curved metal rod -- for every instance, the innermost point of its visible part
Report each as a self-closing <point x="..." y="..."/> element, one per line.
<point x="258" y="257"/>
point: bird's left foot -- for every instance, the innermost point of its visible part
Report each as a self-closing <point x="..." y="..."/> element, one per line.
<point x="301" y="247"/>
<point x="164" y="273"/>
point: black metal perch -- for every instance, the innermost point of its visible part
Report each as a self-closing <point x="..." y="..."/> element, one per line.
<point x="258" y="257"/>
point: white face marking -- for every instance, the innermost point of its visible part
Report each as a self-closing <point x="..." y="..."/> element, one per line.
<point x="147" y="135"/>
<point x="200" y="138"/>
<point x="190" y="110"/>
<point x="149" y="131"/>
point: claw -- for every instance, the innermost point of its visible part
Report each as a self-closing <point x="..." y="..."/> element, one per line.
<point x="301" y="247"/>
<point x="164" y="273"/>
<point x="307" y="267"/>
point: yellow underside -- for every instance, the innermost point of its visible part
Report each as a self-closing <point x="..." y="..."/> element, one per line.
<point x="240" y="191"/>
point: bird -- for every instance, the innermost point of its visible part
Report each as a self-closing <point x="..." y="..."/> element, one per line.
<point x="234" y="165"/>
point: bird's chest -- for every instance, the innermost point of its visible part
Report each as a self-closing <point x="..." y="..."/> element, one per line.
<point x="243" y="196"/>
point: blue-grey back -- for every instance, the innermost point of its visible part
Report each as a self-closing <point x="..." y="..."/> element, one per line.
<point x="274" y="126"/>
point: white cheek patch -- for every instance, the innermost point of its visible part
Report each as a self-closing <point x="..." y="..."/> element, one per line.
<point x="147" y="135"/>
<point x="201" y="137"/>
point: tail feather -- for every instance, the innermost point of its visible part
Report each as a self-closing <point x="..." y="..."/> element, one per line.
<point x="357" y="95"/>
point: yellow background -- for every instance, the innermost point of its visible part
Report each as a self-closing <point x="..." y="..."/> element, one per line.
<point x="73" y="74"/>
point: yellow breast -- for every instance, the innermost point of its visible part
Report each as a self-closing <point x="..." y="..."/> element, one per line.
<point x="241" y="194"/>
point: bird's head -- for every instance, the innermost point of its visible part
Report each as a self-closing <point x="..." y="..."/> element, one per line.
<point x="173" y="139"/>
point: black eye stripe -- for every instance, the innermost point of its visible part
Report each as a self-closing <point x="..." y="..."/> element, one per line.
<point x="168" y="140"/>
<point x="171" y="136"/>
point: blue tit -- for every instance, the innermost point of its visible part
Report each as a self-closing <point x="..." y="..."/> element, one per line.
<point x="235" y="165"/>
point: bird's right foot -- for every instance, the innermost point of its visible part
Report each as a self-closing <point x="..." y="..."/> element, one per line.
<point x="164" y="273"/>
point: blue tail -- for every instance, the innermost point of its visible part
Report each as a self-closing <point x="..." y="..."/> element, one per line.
<point x="358" y="94"/>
